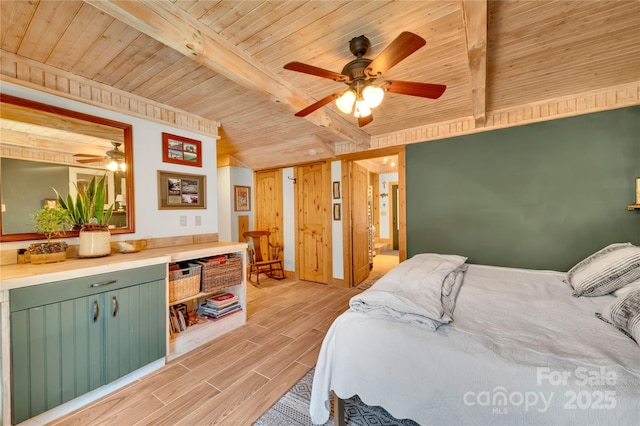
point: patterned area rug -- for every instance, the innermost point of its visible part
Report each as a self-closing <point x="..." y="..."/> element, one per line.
<point x="293" y="410"/>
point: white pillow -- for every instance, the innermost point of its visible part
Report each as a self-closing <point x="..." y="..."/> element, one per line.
<point x="627" y="289"/>
<point x="606" y="270"/>
<point x="624" y="314"/>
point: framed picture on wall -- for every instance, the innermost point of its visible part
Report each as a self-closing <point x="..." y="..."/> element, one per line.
<point x="181" y="191"/>
<point x="242" y="197"/>
<point x="181" y="150"/>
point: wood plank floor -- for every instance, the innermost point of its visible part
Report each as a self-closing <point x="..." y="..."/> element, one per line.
<point x="237" y="377"/>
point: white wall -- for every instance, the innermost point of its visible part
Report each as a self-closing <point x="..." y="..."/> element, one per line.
<point x="288" y="219"/>
<point x="244" y="177"/>
<point x="385" y="202"/>
<point x="336" y="228"/>
<point x="228" y="217"/>
<point x="224" y="204"/>
<point x="150" y="222"/>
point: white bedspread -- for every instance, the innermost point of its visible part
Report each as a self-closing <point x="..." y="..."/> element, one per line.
<point x="420" y="291"/>
<point x="521" y="350"/>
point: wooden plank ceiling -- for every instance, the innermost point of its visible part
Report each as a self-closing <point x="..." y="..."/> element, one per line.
<point x="223" y="60"/>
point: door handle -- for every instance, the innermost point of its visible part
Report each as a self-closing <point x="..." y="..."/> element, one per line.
<point x="96" y="311"/>
<point x="103" y="283"/>
<point x="116" y="306"/>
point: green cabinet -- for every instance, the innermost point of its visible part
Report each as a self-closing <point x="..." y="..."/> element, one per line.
<point x="71" y="337"/>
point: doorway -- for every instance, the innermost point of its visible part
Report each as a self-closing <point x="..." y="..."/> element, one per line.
<point x="382" y="200"/>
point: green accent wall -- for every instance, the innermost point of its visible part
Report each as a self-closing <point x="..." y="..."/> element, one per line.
<point x="25" y="185"/>
<point x="539" y="196"/>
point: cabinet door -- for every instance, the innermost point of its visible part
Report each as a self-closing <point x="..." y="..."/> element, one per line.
<point x="59" y="331"/>
<point x="134" y="328"/>
<point x="56" y="354"/>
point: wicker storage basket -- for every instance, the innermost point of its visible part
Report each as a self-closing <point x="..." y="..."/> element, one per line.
<point x="184" y="282"/>
<point x="220" y="272"/>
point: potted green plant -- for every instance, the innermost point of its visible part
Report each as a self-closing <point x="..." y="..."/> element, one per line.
<point x="88" y="213"/>
<point x="51" y="222"/>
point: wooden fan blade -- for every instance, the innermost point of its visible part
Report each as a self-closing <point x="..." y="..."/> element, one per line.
<point x="90" y="160"/>
<point x="400" y="48"/>
<point x="87" y="155"/>
<point x="423" y="90"/>
<point x="363" y="121"/>
<point x="322" y="102"/>
<point x="318" y="72"/>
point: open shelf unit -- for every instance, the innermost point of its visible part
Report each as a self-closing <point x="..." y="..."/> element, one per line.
<point x="199" y="334"/>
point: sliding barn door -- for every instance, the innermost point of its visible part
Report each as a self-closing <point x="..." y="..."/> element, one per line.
<point x="312" y="188"/>
<point x="359" y="222"/>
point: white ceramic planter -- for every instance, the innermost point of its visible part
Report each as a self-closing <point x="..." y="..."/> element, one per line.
<point x="95" y="241"/>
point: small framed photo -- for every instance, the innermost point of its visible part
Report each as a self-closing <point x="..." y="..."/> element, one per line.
<point x="181" y="150"/>
<point x="336" y="190"/>
<point x="242" y="196"/>
<point x="336" y="211"/>
<point x="181" y="191"/>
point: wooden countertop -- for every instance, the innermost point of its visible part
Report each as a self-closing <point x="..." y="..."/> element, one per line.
<point x="16" y="276"/>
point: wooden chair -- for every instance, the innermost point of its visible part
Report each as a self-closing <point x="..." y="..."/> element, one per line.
<point x="270" y="263"/>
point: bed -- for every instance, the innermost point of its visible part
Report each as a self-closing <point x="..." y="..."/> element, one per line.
<point x="521" y="350"/>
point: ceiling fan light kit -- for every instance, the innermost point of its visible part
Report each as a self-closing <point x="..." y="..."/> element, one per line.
<point x="115" y="156"/>
<point x="373" y="95"/>
<point x="362" y="110"/>
<point x="365" y="100"/>
<point x="346" y="101"/>
<point x="115" y="165"/>
<point x="361" y="74"/>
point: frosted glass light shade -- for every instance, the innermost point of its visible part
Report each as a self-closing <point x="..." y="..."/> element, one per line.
<point x="345" y="102"/>
<point x="373" y="96"/>
<point x="362" y="110"/>
<point x="113" y="166"/>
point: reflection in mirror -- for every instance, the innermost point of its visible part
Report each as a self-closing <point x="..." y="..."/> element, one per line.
<point x="44" y="147"/>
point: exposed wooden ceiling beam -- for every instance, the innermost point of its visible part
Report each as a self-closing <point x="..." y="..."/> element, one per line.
<point x="227" y="160"/>
<point x="322" y="148"/>
<point x="51" y="122"/>
<point x="48" y="143"/>
<point x="474" y="17"/>
<point x="177" y="29"/>
<point x="36" y="154"/>
<point x="327" y="148"/>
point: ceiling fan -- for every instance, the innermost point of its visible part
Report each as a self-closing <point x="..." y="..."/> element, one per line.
<point x="363" y="76"/>
<point x="115" y="155"/>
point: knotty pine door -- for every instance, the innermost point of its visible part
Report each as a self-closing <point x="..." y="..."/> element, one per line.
<point x="313" y="183"/>
<point x="268" y="206"/>
<point x="359" y="222"/>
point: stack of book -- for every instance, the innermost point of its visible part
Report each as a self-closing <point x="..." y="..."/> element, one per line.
<point x="221" y="305"/>
<point x="178" y="318"/>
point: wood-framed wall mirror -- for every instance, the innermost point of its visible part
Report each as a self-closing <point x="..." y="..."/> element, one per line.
<point x="44" y="147"/>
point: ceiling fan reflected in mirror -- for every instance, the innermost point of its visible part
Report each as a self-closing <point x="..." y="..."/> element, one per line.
<point x="114" y="158"/>
<point x="363" y="76"/>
